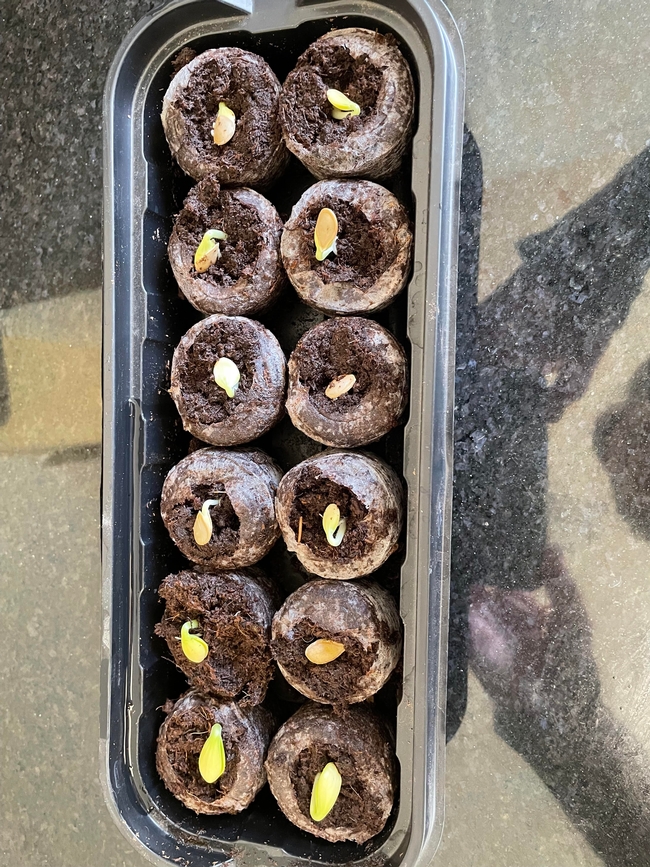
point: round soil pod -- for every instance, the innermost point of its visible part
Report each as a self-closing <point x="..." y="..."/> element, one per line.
<point x="231" y="612"/>
<point x="348" y="382"/>
<point x="337" y="641"/>
<point x="363" y="525"/>
<point x="369" y="141"/>
<point x="357" y="743"/>
<point x="225" y="499"/>
<point x="220" y="116"/>
<point x="239" y="274"/>
<point x="370" y="245"/>
<point x="228" y="380"/>
<point x="245" y="733"/>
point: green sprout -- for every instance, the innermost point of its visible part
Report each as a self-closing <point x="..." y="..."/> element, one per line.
<point x="193" y="646"/>
<point x="325" y="792"/>
<point x="212" y="760"/>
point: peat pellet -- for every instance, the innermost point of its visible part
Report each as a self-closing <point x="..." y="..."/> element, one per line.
<point x="357" y="742"/>
<point x="232" y="614"/>
<point x="240" y="402"/>
<point x="244" y="274"/>
<point x="371" y="262"/>
<point x="351" y="629"/>
<point x="249" y="153"/>
<point x="348" y="382"/>
<point x="369" y="69"/>
<point x="234" y="492"/>
<point x="245" y="731"/>
<point x="369" y="498"/>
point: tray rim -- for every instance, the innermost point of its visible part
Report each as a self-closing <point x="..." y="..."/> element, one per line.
<point x="426" y="835"/>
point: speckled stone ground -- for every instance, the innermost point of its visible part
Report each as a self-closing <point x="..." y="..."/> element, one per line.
<point x="557" y="105"/>
<point x="55" y="60"/>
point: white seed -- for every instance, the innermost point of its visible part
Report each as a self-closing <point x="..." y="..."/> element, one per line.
<point x="208" y="250"/>
<point x="326" y="233"/>
<point x="322" y="651"/>
<point x="340" y="386"/>
<point x="203" y="523"/>
<point x="224" y="126"/>
<point x="227" y="376"/>
<point x="334" y="525"/>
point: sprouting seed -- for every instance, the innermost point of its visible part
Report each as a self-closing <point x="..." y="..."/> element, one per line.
<point x="203" y="523"/>
<point x="323" y="650"/>
<point x="325" y="792"/>
<point x="342" y="106"/>
<point x="340" y="386"/>
<point x="212" y="759"/>
<point x="326" y="233"/>
<point x="208" y="250"/>
<point x="334" y="525"/>
<point x="194" y="647"/>
<point x="223" y="129"/>
<point x="227" y="376"/>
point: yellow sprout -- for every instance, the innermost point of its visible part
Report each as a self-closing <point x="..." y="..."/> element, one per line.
<point x="212" y="760"/>
<point x="208" y="250"/>
<point x="223" y="129"/>
<point x="322" y="651"/>
<point x="343" y="106"/>
<point x="194" y="647"/>
<point x="325" y="792"/>
<point x="326" y="233"/>
<point x="334" y="525"/>
<point x="203" y="523"/>
<point x="226" y="375"/>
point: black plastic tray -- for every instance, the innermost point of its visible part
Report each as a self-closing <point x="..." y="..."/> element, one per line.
<point x="143" y="320"/>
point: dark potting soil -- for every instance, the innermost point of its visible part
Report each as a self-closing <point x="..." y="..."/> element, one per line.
<point x="313" y="493"/>
<point x="335" y="680"/>
<point x="364" y="249"/>
<point x="306" y="111"/>
<point x="225" y="523"/>
<point x="209" y="207"/>
<point x="183" y="58"/>
<point x="354" y="808"/>
<point x="239" y="664"/>
<point x="328" y="353"/>
<point x="205" y="401"/>
<point x="246" y="90"/>
<point x="184" y="738"/>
